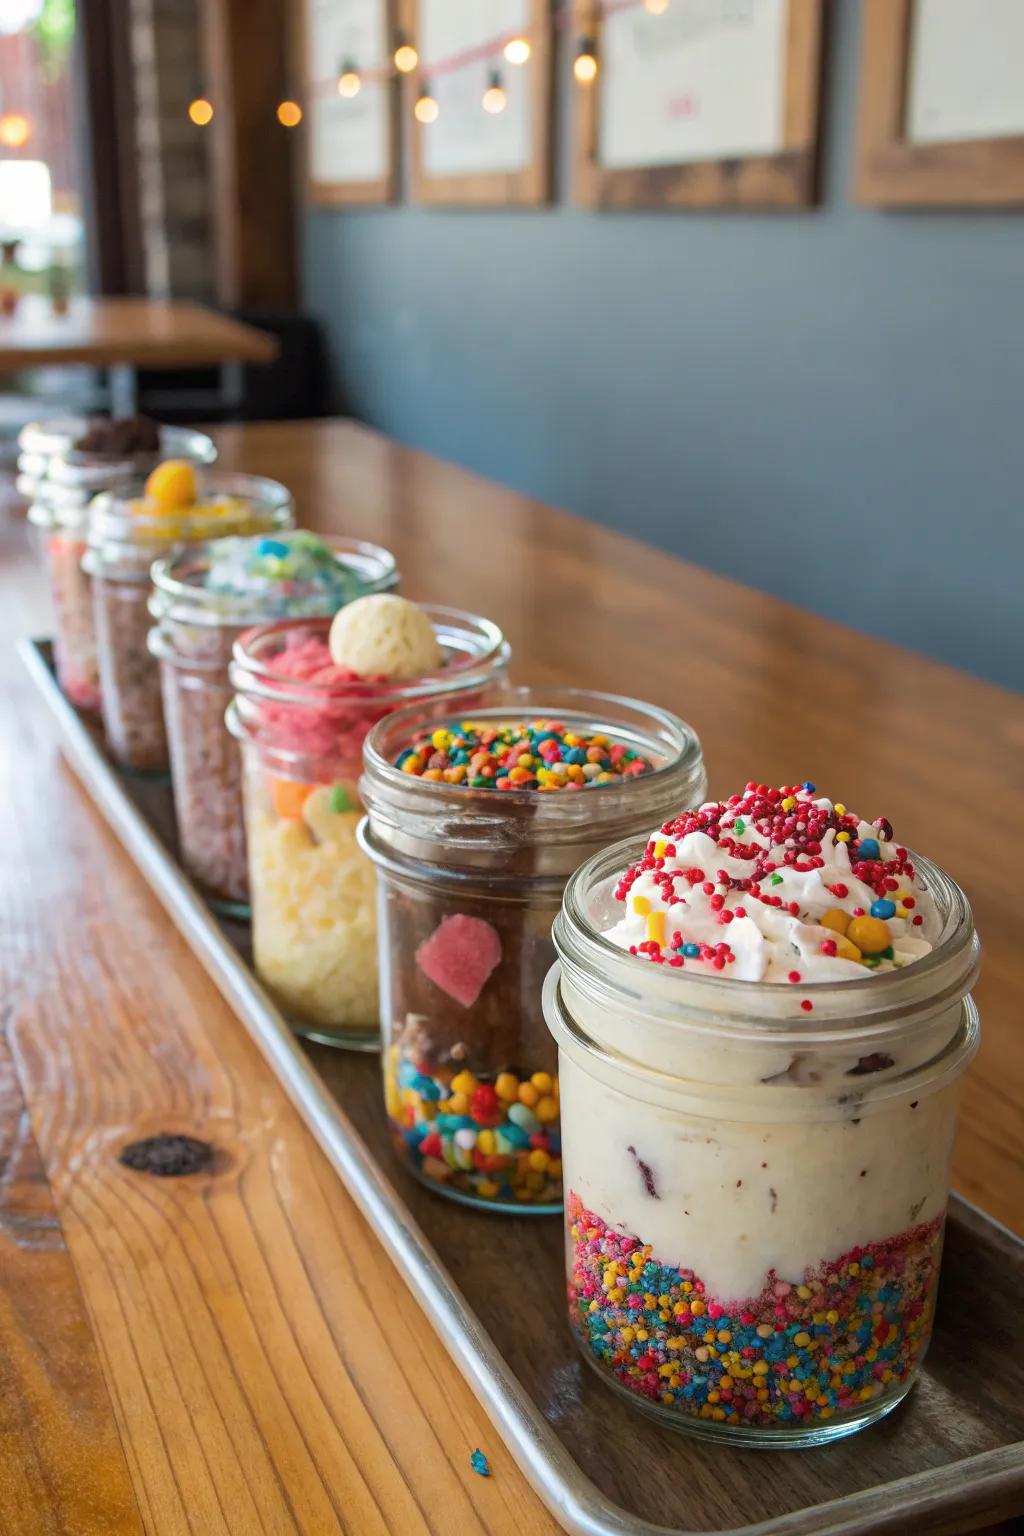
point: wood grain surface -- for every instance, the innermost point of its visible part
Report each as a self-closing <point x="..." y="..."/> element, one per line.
<point x="263" y="1364"/>
<point x="148" y="333"/>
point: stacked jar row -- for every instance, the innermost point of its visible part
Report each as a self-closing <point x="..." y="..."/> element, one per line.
<point x="411" y="835"/>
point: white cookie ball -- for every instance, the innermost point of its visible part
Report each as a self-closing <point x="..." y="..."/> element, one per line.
<point x="384" y="636"/>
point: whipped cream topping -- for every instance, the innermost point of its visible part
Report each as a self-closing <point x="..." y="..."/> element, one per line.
<point x="774" y="885"/>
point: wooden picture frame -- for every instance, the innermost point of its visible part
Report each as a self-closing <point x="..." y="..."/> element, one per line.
<point x="529" y="186"/>
<point x="354" y="191"/>
<point x="785" y="179"/>
<point x="892" y="171"/>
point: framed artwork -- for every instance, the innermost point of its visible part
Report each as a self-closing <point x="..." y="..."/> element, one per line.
<point x="481" y="126"/>
<point x="698" y="103"/>
<point x="351" y="101"/>
<point x="941" y="109"/>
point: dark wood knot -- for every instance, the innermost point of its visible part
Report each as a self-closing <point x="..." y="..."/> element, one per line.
<point x="168" y="1156"/>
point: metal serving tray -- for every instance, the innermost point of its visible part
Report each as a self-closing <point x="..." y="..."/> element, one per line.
<point x="951" y="1459"/>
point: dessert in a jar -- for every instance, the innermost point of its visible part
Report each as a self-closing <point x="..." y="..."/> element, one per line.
<point x="203" y="599"/>
<point x="307" y="692"/>
<point x="476" y="818"/>
<point x="762" y="1015"/>
<point x="131" y="526"/>
<point x="62" y="465"/>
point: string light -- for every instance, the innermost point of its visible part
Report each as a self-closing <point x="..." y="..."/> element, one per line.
<point x="289" y="114"/>
<point x="517" y="50"/>
<point x="494" y="98"/>
<point x="200" y="111"/>
<point x="15" y="130"/>
<point x="426" y="108"/>
<point x="349" y="83"/>
<point x="585" y="63"/>
<point x="406" y="58"/>
<point x="656" y="7"/>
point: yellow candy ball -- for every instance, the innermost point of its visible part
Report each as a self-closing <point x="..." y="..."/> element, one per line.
<point x="506" y="1086"/>
<point x="546" y="1110"/>
<point x="870" y="934"/>
<point x="836" y="919"/>
<point x="172" y="485"/>
<point x="845" y="950"/>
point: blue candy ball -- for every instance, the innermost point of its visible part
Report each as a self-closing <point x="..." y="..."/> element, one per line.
<point x="883" y="908"/>
<point x="273" y="547"/>
<point x="691" y="951"/>
<point x="868" y="848"/>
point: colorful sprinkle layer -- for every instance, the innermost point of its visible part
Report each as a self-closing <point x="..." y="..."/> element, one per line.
<point x="497" y="1140"/>
<point x="852" y="1332"/>
<point x="542" y="755"/>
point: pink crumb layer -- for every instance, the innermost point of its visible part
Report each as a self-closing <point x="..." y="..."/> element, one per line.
<point x="332" y="725"/>
<point x="309" y="661"/>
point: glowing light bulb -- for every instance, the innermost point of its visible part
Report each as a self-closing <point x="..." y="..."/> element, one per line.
<point x="426" y="108"/>
<point x="201" y="111"/>
<point x="406" y="58"/>
<point x="585" y="63"/>
<point x="15" y="130"/>
<point x="289" y="114"/>
<point x="517" y="50"/>
<point x="656" y="7"/>
<point x="494" y="99"/>
<point x="349" y="82"/>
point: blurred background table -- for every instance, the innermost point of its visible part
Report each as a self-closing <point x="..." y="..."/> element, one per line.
<point x="234" y="1353"/>
<point x="123" y="335"/>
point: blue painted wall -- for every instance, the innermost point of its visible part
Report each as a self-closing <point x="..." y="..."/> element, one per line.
<point x="825" y="405"/>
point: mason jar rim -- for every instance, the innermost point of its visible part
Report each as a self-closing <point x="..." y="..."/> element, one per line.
<point x="251" y="675"/>
<point x="504" y="837"/>
<point x="56" y="438"/>
<point x="172" y="587"/>
<point x="385" y="774"/>
<point x="738" y="1007"/>
<point x="110" y="517"/>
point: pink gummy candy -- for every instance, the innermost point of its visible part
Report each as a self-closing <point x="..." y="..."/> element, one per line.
<point x="459" y="956"/>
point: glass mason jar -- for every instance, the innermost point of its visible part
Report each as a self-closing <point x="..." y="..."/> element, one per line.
<point x="755" y="1194"/>
<point x="469" y="881"/>
<point x="123" y="544"/>
<point x="193" y="640"/>
<point x="59" y="480"/>
<point x="311" y="887"/>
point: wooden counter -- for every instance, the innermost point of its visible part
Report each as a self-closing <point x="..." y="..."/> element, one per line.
<point x="235" y="1355"/>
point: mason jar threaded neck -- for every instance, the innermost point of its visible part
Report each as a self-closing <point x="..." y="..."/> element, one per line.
<point x="510" y="832"/>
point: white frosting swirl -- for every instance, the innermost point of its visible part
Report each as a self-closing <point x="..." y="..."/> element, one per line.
<point x="695" y="901"/>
